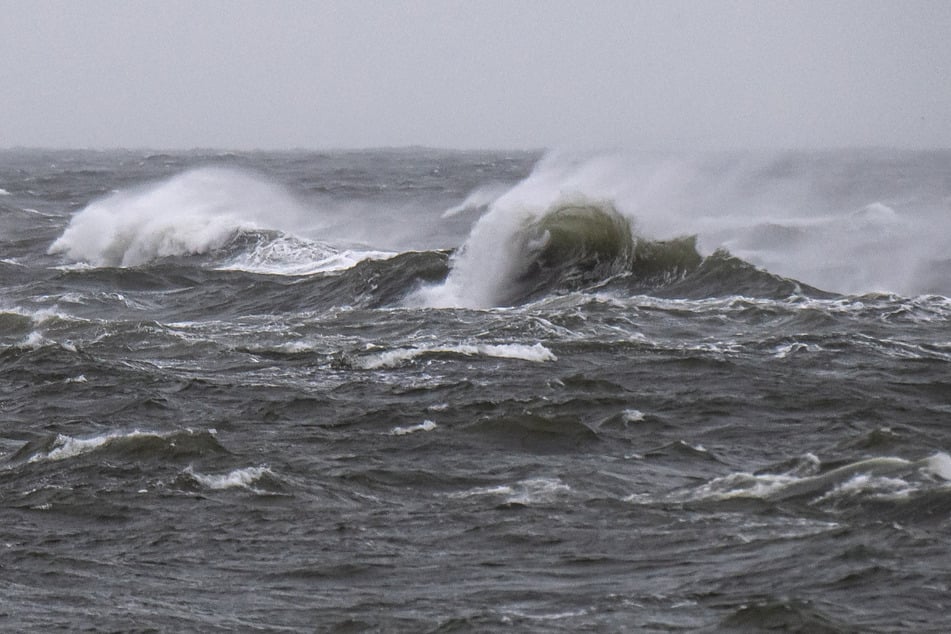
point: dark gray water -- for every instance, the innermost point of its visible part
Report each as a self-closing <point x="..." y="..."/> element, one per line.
<point x="412" y="390"/>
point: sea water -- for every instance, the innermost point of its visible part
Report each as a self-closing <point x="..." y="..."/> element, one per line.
<point x="420" y="390"/>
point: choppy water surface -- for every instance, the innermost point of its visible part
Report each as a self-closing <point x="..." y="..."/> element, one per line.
<point x="412" y="390"/>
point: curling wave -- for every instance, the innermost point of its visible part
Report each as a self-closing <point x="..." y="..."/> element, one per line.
<point x="577" y="244"/>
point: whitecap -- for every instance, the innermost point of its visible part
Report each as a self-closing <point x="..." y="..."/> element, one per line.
<point x="939" y="465"/>
<point x="525" y="492"/>
<point x="290" y="255"/>
<point x="426" y="425"/>
<point x="547" y="616"/>
<point x="192" y="213"/>
<point x="35" y="340"/>
<point x="881" y="477"/>
<point x="783" y="351"/>
<point x="870" y="486"/>
<point x="632" y="416"/>
<point x="242" y="478"/>
<point x="64" y="446"/>
<point x="537" y="353"/>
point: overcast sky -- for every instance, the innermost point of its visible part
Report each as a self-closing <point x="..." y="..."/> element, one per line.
<point x="278" y="73"/>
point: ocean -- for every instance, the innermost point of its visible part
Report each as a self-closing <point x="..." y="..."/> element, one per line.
<point x="444" y="391"/>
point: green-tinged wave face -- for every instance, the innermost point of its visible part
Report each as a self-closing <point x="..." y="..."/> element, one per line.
<point x="571" y="246"/>
<point x="583" y="244"/>
<point x="587" y="236"/>
<point x="661" y="262"/>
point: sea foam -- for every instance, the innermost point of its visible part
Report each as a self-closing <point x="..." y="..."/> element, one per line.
<point x="774" y="210"/>
<point x="192" y="213"/>
<point x="65" y="447"/>
<point x="290" y="255"/>
<point x="243" y="478"/>
<point x="393" y="358"/>
<point x="131" y="443"/>
<point x="426" y="425"/>
<point x="873" y="478"/>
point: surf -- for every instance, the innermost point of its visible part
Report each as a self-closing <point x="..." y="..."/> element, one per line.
<point x="521" y="255"/>
<point x="192" y="213"/>
<point x="833" y="221"/>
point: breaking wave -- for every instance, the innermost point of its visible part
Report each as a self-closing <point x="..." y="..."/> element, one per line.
<point x="127" y="444"/>
<point x="882" y="477"/>
<point x="393" y="358"/>
<point x="260" y="480"/>
<point x="275" y="253"/>
<point x="517" y="256"/>
<point x="580" y="219"/>
<point x="193" y="213"/>
<point x="704" y="227"/>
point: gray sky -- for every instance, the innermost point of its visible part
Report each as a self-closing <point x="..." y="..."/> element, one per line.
<point x="280" y="73"/>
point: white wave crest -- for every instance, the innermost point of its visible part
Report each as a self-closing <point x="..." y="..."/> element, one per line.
<point x="632" y="416"/>
<point x="69" y="447"/>
<point x="870" y="486"/>
<point x="289" y="255"/>
<point x="939" y="465"/>
<point x="772" y="209"/>
<point x="192" y="213"/>
<point x="882" y="477"/>
<point x="36" y="340"/>
<point x="525" y="492"/>
<point x="65" y="446"/>
<point x="785" y="350"/>
<point x="426" y="425"/>
<point x="392" y="358"/>
<point x="242" y="478"/>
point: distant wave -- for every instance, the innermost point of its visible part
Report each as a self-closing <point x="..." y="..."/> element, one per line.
<point x="236" y="220"/>
<point x="878" y="477"/>
<point x="260" y="480"/>
<point x="393" y="358"/>
<point x="128" y="444"/>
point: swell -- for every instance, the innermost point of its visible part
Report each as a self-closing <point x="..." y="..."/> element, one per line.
<point x="233" y="234"/>
<point x="133" y="446"/>
<point x="722" y="274"/>
<point x="895" y="487"/>
<point x="583" y="245"/>
<point x="186" y="287"/>
<point x="570" y="246"/>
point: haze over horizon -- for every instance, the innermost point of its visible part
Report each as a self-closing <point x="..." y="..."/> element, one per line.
<point x="258" y="75"/>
